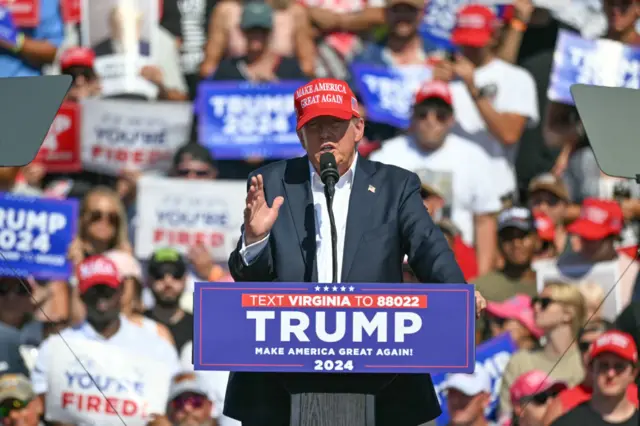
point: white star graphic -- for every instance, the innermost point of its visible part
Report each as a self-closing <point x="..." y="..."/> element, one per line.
<point x="317" y="288"/>
<point x="335" y="288"/>
<point x="343" y="288"/>
<point x="326" y="288"/>
<point x="352" y="288"/>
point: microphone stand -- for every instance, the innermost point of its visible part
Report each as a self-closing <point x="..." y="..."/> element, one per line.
<point x="329" y="191"/>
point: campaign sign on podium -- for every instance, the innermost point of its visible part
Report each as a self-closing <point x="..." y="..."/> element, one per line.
<point x="346" y="328"/>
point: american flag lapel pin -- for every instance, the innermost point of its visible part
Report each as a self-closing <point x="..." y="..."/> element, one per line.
<point x="372" y="189"/>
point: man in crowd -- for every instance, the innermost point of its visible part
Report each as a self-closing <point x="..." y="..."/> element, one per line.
<point x="18" y="403"/>
<point x="167" y="275"/>
<point x="613" y="364"/>
<point x="531" y="394"/>
<point x="468" y="395"/>
<point x="518" y="242"/>
<point x="78" y="62"/>
<point x="549" y="195"/>
<point x="430" y="150"/>
<point x="494" y="100"/>
<point x="189" y="403"/>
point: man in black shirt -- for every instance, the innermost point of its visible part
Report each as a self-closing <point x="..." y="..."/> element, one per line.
<point x="613" y="363"/>
<point x="168" y="275"/>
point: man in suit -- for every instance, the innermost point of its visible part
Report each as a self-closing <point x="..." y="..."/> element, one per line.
<point x="125" y="23"/>
<point x="379" y="218"/>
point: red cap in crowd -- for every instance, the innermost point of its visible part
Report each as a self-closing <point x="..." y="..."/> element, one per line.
<point x="475" y="25"/>
<point x="617" y="343"/>
<point x="517" y="308"/>
<point x="532" y="383"/>
<point x="434" y="89"/>
<point x="96" y="270"/>
<point x="598" y="219"/>
<point x="325" y="96"/>
<point x="545" y="226"/>
<point x="77" y="57"/>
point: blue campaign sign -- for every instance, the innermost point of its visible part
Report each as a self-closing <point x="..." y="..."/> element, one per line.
<point x="387" y="93"/>
<point x="238" y="120"/>
<point x="35" y="234"/>
<point x="492" y="356"/>
<point x="8" y="32"/>
<point x="597" y="62"/>
<point x="440" y="17"/>
<point x="351" y="328"/>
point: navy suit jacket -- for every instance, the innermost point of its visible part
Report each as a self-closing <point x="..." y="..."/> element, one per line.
<point x="386" y="220"/>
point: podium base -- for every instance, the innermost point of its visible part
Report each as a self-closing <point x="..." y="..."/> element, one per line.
<point x="332" y="409"/>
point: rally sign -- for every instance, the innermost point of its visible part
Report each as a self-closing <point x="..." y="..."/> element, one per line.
<point x="25" y="13"/>
<point x="491" y="356"/>
<point x="122" y="135"/>
<point x="135" y="386"/>
<point x="346" y="328"/>
<point x="388" y="93"/>
<point x="239" y="120"/>
<point x="71" y="13"/>
<point x="8" y="31"/>
<point x="181" y="213"/>
<point x="35" y="234"/>
<point x="595" y="62"/>
<point x="60" y="151"/>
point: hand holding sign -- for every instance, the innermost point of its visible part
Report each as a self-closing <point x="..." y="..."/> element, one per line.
<point x="8" y="31"/>
<point x="258" y="216"/>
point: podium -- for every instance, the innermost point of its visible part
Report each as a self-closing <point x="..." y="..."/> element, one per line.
<point x="332" y="355"/>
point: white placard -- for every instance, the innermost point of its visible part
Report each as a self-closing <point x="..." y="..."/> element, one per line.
<point x="122" y="135"/>
<point x="179" y="213"/>
<point x="135" y="386"/>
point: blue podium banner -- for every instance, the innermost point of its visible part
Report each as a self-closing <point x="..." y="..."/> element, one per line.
<point x="388" y="93"/>
<point x="238" y="120"/>
<point x="597" y="62"/>
<point x="492" y="356"/>
<point x="35" y="234"/>
<point x="346" y="328"/>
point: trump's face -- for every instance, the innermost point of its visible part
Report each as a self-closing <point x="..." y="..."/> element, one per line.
<point x="330" y="134"/>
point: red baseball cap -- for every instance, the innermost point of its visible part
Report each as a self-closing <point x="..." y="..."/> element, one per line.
<point x="475" y="25"/>
<point x="517" y="308"/>
<point x="77" y="57"/>
<point x="598" y="219"/>
<point x="532" y="383"/>
<point x="617" y="343"/>
<point x="96" y="270"/>
<point x="544" y="225"/>
<point x="434" y="89"/>
<point x="325" y="96"/>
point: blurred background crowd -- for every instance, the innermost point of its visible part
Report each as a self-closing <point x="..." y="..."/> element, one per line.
<point x="507" y="173"/>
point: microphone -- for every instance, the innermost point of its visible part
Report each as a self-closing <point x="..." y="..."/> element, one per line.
<point x="329" y="176"/>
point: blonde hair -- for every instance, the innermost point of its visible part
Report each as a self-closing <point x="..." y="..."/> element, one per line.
<point x="571" y="297"/>
<point x="592" y="292"/>
<point x="121" y="239"/>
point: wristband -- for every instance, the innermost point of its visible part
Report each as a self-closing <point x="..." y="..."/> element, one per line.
<point x="518" y="25"/>
<point x="19" y="43"/>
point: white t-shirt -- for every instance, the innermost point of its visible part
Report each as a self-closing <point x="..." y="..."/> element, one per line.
<point x="459" y="168"/>
<point x="516" y="93"/>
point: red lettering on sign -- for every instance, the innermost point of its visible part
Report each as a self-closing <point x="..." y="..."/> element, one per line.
<point x="98" y="404"/>
<point x="60" y="150"/>
<point x="138" y="157"/>
<point x="187" y="238"/>
<point x="25" y="13"/>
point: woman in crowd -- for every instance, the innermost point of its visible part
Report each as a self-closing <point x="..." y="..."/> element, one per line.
<point x="560" y="312"/>
<point x="515" y="316"/>
<point x="531" y="394"/>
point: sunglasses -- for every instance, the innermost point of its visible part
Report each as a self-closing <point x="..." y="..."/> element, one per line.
<point x="187" y="172"/>
<point x="98" y="292"/>
<point x="11" y="404"/>
<point x="442" y="113"/>
<point x="544" y="302"/>
<point x="605" y="367"/>
<point x="584" y="347"/>
<point x="193" y="400"/>
<point x="550" y="200"/>
<point x="539" y="398"/>
<point x="98" y="215"/>
<point x="173" y="270"/>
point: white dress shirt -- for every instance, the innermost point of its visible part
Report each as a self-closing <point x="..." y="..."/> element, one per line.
<point x="323" y="228"/>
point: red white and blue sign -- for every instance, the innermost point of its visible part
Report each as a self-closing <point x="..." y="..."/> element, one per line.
<point x="346" y="328"/>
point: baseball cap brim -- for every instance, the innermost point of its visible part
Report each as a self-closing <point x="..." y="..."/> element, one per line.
<point x="502" y="310"/>
<point x="588" y="230"/>
<point x="612" y="349"/>
<point x="470" y="37"/>
<point x="422" y="98"/>
<point x="319" y="112"/>
<point x="108" y="280"/>
<point x="518" y="224"/>
<point x="187" y="387"/>
<point x="546" y="187"/>
<point x="467" y="384"/>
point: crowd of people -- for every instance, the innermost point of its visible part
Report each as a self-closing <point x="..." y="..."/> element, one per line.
<point x="509" y="176"/>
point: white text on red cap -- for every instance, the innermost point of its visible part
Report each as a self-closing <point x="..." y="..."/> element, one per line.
<point x="613" y="339"/>
<point x="595" y="214"/>
<point x="324" y="98"/>
<point x="320" y="87"/>
<point x="471" y="21"/>
<point x="96" y="267"/>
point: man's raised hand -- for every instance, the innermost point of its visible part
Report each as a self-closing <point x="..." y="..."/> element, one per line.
<point x="258" y="216"/>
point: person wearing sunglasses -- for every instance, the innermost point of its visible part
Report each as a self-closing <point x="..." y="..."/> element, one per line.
<point x="559" y="311"/>
<point x="78" y="62"/>
<point x="193" y="161"/>
<point x="468" y="396"/>
<point x="549" y="196"/>
<point x="531" y="394"/>
<point x="572" y="397"/>
<point x="189" y="403"/>
<point x="434" y="153"/>
<point x="515" y="316"/>
<point x="18" y="404"/>
<point x="613" y="364"/>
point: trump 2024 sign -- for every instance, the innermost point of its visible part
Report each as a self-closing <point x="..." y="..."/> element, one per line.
<point x="348" y="328"/>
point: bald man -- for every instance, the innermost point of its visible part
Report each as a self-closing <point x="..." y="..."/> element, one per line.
<point x="125" y="23"/>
